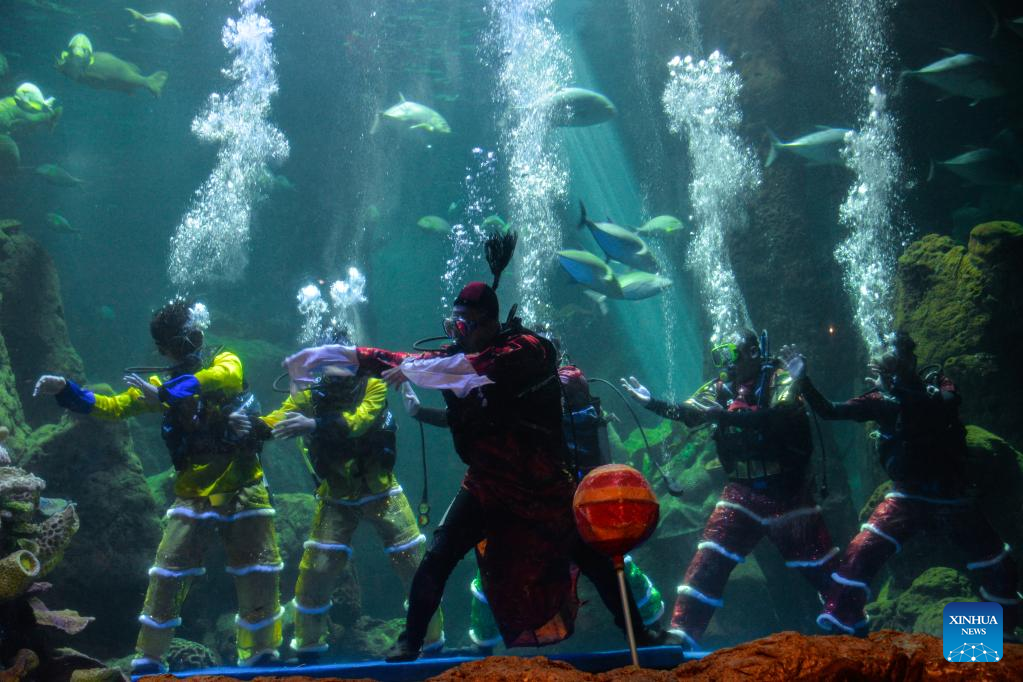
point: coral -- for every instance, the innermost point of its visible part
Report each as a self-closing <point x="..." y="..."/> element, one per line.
<point x="52" y="536"/>
<point x="184" y="655"/>
<point x="64" y="620"/>
<point x="17" y="571"/>
<point x="24" y="663"/>
<point x="373" y="637"/>
<point x="961" y="305"/>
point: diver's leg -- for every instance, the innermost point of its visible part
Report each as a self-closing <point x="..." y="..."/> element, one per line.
<point x="250" y="545"/>
<point x="892" y="523"/>
<point x="732" y="531"/>
<point x="396" y="525"/>
<point x="648" y="598"/>
<point x="178" y="559"/>
<point x="482" y="626"/>
<point x="459" y="531"/>
<point x="988" y="560"/>
<point x="325" y="555"/>
<point x="801" y="536"/>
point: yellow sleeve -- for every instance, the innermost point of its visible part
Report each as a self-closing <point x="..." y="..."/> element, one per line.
<point x="123" y="405"/>
<point x="290" y="404"/>
<point x="362" y="417"/>
<point x="225" y="374"/>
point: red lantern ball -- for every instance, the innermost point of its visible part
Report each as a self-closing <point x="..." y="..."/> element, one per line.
<point x="615" y="509"/>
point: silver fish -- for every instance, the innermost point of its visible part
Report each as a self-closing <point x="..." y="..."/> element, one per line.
<point x="821" y="148"/>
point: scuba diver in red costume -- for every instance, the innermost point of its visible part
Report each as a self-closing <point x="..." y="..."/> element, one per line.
<point x="763" y="442"/>
<point x="922" y="445"/>
<point x="501" y="387"/>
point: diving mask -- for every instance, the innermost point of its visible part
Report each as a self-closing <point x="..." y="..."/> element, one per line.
<point x="457" y="327"/>
<point x="724" y="354"/>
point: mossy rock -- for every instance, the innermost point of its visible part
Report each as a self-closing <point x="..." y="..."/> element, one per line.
<point x="960" y="305"/>
<point x="919" y="608"/>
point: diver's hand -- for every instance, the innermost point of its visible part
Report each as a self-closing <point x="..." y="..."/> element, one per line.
<point x="795" y="362"/>
<point x="638" y="391"/>
<point x="150" y="393"/>
<point x="240" y="423"/>
<point x="410" y="399"/>
<point x="49" y="384"/>
<point x="876" y="382"/>
<point x="294" y="424"/>
<point x="394" y="377"/>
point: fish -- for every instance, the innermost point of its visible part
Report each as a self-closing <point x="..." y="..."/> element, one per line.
<point x="51" y="506"/>
<point x="639" y="285"/>
<point x="434" y="224"/>
<point x="662" y="224"/>
<point x="1016" y="26"/>
<point x="599" y="299"/>
<point x="620" y="244"/>
<point x="30" y="98"/>
<point x="55" y="175"/>
<point x="104" y="71"/>
<point x="591" y="272"/>
<point x="961" y="75"/>
<point x="497" y="222"/>
<point x="59" y="223"/>
<point x="417" y="116"/>
<point x="10" y="155"/>
<point x="981" y="166"/>
<point x="577" y="107"/>
<point x="160" y="23"/>
<point x="820" y="148"/>
<point x="5" y="68"/>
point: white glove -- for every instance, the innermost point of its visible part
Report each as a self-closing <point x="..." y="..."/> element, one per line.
<point x="638" y="391"/>
<point x="410" y="399"/>
<point x="150" y="393"/>
<point x="49" y="384"/>
<point x="795" y="363"/>
<point x="294" y="424"/>
<point x="240" y="423"/>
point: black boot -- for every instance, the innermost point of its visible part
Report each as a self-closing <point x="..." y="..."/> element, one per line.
<point x="401" y="651"/>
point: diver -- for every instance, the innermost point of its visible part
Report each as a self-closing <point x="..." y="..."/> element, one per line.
<point x="218" y="484"/>
<point x="922" y="446"/>
<point x="500" y="385"/>
<point x="763" y="440"/>
<point x="584" y="425"/>
<point x="351" y="440"/>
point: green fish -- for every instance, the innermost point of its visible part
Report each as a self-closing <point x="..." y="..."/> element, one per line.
<point x="59" y="223"/>
<point x="160" y="23"/>
<point x="662" y="224"/>
<point x="639" y="285"/>
<point x="104" y="71"/>
<point x="55" y="175"/>
<point x="577" y="107"/>
<point x="417" y="116"/>
<point x="496" y="222"/>
<point x="434" y="224"/>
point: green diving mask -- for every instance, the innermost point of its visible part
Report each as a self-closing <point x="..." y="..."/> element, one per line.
<point x="724" y="354"/>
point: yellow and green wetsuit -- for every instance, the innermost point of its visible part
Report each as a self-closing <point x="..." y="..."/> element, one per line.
<point x="353" y="452"/>
<point x="219" y="490"/>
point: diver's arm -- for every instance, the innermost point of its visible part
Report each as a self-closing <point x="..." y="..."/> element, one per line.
<point x="125" y="404"/>
<point x="225" y="374"/>
<point x="263" y="425"/>
<point x="438" y="370"/>
<point x="858" y="409"/>
<point x="434" y="416"/>
<point x="358" y="421"/>
<point x="681" y="412"/>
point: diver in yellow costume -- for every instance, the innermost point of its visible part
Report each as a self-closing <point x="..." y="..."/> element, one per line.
<point x="219" y="485"/>
<point x="350" y="436"/>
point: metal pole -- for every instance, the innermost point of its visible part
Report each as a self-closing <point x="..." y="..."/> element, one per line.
<point x="622" y="590"/>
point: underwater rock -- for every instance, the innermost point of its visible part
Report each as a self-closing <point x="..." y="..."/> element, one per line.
<point x="883" y="656"/>
<point x="32" y="328"/>
<point x="372" y="637"/>
<point x="919" y="608"/>
<point x="104" y="571"/>
<point x="22" y="667"/>
<point x="961" y="305"/>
